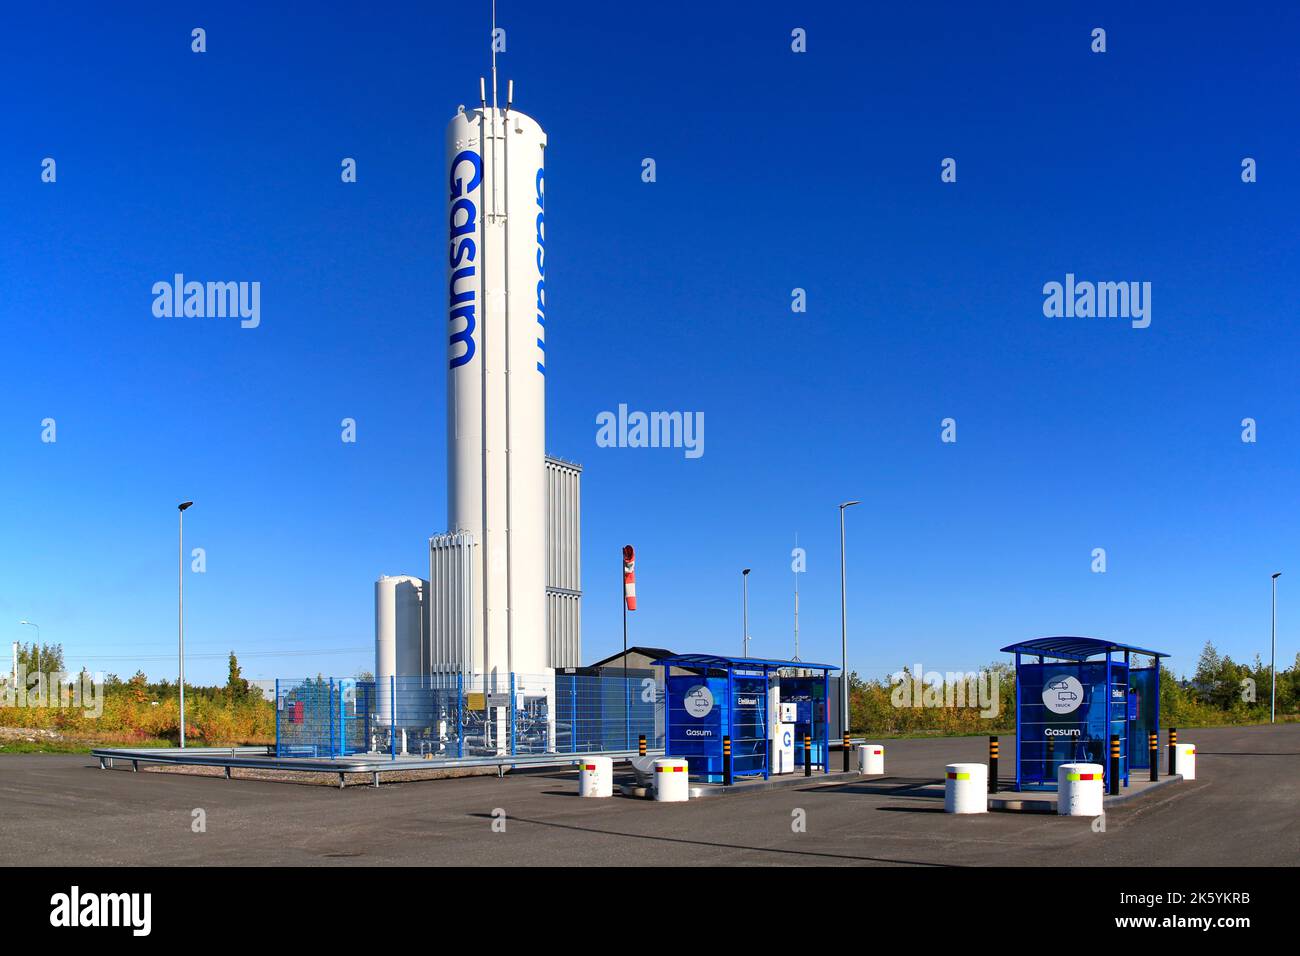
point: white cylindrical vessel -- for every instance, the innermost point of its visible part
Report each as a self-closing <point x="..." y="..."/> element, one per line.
<point x="496" y="395"/>
<point x="966" y="788"/>
<point x="672" y="780"/>
<point x="399" y="639"/>
<point x="871" y="759"/>
<point x="1186" y="761"/>
<point x="596" y="777"/>
<point x="1079" y="789"/>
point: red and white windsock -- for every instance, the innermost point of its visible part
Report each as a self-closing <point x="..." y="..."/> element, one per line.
<point x="629" y="577"/>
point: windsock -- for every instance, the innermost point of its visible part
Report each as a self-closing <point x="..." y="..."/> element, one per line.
<point x="629" y="577"/>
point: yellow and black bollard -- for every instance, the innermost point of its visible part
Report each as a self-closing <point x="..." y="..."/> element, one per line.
<point x="993" y="764"/>
<point x="640" y="746"/>
<point x="846" y="751"/>
<point x="1153" y="741"/>
<point x="1114" y="764"/>
<point x="726" y="761"/>
<point x="807" y="755"/>
<point x="1173" y="751"/>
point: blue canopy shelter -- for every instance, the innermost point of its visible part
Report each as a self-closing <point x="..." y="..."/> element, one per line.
<point x="728" y="696"/>
<point x="1068" y="705"/>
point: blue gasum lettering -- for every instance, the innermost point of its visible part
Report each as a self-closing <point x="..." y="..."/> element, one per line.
<point x="541" y="270"/>
<point x="462" y="224"/>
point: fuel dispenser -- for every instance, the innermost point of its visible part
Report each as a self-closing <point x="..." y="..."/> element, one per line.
<point x="783" y="740"/>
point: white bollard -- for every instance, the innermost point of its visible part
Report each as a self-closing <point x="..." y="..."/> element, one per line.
<point x="596" y="777"/>
<point x="672" y="780"/>
<point x="1079" y="790"/>
<point x="966" y="789"/>
<point x="871" y="759"/>
<point x="1186" y="761"/>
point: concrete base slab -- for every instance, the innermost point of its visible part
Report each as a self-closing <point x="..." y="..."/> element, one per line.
<point x="790" y="781"/>
<point x="1044" y="801"/>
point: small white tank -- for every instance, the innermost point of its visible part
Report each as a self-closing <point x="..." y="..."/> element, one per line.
<point x="399" y="638"/>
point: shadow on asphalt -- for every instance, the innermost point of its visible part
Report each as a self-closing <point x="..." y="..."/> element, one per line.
<point x="715" y="844"/>
<point x="912" y="809"/>
<point x="917" y="787"/>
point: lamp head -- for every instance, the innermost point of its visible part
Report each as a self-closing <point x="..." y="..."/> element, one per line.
<point x="184" y="504"/>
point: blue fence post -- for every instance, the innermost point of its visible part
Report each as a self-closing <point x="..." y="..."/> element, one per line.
<point x="277" y="716"/>
<point x="460" y="714"/>
<point x="1019" y="739"/>
<point x="512" y="714"/>
<point x="392" y="716"/>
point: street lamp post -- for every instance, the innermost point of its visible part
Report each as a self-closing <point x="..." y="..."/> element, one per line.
<point x="744" y="577"/>
<point x="38" y="643"/>
<point x="1272" y="658"/>
<point x="844" y="631"/>
<point x="180" y="574"/>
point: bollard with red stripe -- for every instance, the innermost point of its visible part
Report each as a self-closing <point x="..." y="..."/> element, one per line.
<point x="672" y="780"/>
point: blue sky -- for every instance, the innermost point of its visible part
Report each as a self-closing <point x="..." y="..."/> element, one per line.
<point x="775" y="170"/>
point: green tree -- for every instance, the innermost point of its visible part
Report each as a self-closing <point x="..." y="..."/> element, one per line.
<point x="42" y="657"/>
<point x="1209" y="665"/>
<point x="237" y="688"/>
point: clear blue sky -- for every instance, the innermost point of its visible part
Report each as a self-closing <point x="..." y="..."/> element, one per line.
<point x="775" y="171"/>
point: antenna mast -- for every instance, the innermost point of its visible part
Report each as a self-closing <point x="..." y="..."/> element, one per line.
<point x="796" y="598"/>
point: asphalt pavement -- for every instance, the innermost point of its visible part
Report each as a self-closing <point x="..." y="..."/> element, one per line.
<point x="62" y="809"/>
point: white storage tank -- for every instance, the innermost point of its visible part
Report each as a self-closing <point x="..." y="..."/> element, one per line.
<point x="399" y="640"/>
<point x="496" y="379"/>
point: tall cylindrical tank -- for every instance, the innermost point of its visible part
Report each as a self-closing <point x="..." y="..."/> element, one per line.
<point x="496" y="396"/>
<point x="399" y="640"/>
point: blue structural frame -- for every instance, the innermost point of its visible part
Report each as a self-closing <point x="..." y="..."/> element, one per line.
<point x="1126" y="689"/>
<point x="704" y="753"/>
